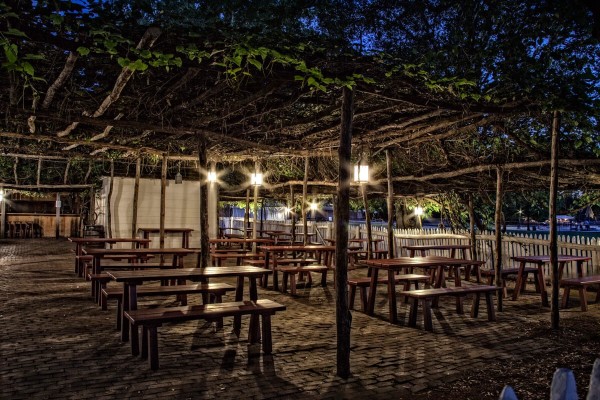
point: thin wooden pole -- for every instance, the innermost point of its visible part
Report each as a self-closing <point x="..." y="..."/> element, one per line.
<point x="109" y="198"/>
<point x="246" y="214"/>
<point x="254" y="219"/>
<point x="163" y="201"/>
<point x="342" y="218"/>
<point x="136" y="195"/>
<point x="363" y="190"/>
<point x="203" y="165"/>
<point x="390" y="204"/>
<point x="293" y="212"/>
<point x="498" y="233"/>
<point x="553" y="227"/>
<point x="57" y="218"/>
<point x="472" y="228"/>
<point x="304" y="203"/>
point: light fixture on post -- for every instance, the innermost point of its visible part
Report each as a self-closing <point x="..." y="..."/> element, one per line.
<point x="256" y="179"/>
<point x="418" y="211"/>
<point x="1" y="194"/>
<point x="361" y="173"/>
<point x="178" y="177"/>
<point x="211" y="176"/>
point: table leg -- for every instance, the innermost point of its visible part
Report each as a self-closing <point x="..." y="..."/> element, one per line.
<point x="254" y="318"/>
<point x="519" y="281"/>
<point x="133" y="329"/>
<point x="239" y="295"/>
<point x="372" y="290"/>
<point x="392" y="297"/>
<point x="458" y="283"/>
<point x="542" y="278"/>
<point x="580" y="269"/>
<point x="77" y="258"/>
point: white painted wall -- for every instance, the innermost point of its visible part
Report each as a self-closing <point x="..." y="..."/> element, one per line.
<point x="182" y="208"/>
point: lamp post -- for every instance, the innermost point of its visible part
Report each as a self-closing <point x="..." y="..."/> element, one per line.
<point x="419" y="213"/>
<point x="256" y="180"/>
<point x="361" y="176"/>
<point x="3" y="212"/>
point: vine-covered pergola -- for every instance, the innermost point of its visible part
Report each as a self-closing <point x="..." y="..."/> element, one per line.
<point x="180" y="88"/>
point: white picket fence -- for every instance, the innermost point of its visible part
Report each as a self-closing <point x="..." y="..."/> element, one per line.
<point x="512" y="244"/>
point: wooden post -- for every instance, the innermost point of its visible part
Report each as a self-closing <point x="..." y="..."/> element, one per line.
<point x="553" y="227"/>
<point x="342" y="218"/>
<point x="390" y="204"/>
<point x="57" y="218"/>
<point x="254" y="219"/>
<point x="91" y="211"/>
<point x="39" y="170"/>
<point x="293" y="212"/>
<point x="498" y="233"/>
<point x="363" y="190"/>
<point x="3" y="212"/>
<point x="472" y="228"/>
<point x="163" y="201"/>
<point x="109" y="198"/>
<point x="246" y="214"/>
<point x="203" y="165"/>
<point x="136" y="194"/>
<point x="304" y="213"/>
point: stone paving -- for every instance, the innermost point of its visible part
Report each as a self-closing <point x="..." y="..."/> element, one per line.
<point x="56" y="343"/>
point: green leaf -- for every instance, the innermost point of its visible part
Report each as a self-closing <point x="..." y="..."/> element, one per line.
<point x="298" y="78"/>
<point x="15" y="32"/>
<point x="83" y="51"/>
<point x="123" y="62"/>
<point x="11" y="53"/>
<point x="145" y="53"/>
<point x="56" y="19"/>
<point x="28" y="68"/>
<point x="256" y="63"/>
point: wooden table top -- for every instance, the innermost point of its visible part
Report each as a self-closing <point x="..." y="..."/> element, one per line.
<point x="241" y="240"/>
<point x="143" y="251"/>
<point x="187" y="273"/>
<point x="546" y="259"/>
<point x="170" y="230"/>
<point x="428" y="261"/>
<point x="311" y="247"/>
<point x="438" y="246"/>
<point x="107" y="240"/>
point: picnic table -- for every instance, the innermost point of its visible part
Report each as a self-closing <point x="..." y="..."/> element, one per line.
<point x="185" y="234"/>
<point x="423" y="248"/>
<point x="81" y="242"/>
<point x="394" y="265"/>
<point x="539" y="262"/>
<point x="131" y="280"/>
<point x="241" y="241"/>
<point x="273" y="251"/>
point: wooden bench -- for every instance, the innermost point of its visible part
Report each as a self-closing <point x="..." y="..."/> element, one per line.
<point x="364" y="283"/>
<point x="506" y="272"/>
<point x="292" y="271"/>
<point x="426" y="296"/>
<point x="581" y="284"/>
<point x="151" y="319"/>
<point x="216" y="290"/>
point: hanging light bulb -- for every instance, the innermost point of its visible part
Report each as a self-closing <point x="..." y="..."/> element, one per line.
<point x="256" y="179"/>
<point x="178" y="177"/>
<point x="361" y="173"/>
<point x="211" y="176"/>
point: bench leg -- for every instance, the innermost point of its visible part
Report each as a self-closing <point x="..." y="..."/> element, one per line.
<point x="536" y="282"/>
<point x="134" y="338"/>
<point x="489" y="302"/>
<point x="412" y="316"/>
<point x="427" y="319"/>
<point x="565" y="299"/>
<point x="583" y="298"/>
<point x="119" y="312"/>
<point x="363" y="298"/>
<point x="324" y="279"/>
<point x="293" y="284"/>
<point x="459" y="305"/>
<point x="475" y="306"/>
<point x="153" y="347"/>
<point x="285" y="282"/>
<point x="351" y="296"/>
<point x="103" y="302"/>
<point x="267" y="340"/>
<point x="598" y="294"/>
<point x="218" y="298"/>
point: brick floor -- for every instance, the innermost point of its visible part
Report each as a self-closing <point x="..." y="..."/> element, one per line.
<point x="56" y="343"/>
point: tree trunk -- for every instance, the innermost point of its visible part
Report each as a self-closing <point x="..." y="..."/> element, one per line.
<point x="163" y="201"/>
<point x="390" y="204"/>
<point x="109" y="197"/>
<point x="498" y="232"/>
<point x="342" y="218"/>
<point x="553" y="226"/>
<point x="136" y="195"/>
<point x="304" y="213"/>
<point x="472" y="228"/>
<point x="203" y="165"/>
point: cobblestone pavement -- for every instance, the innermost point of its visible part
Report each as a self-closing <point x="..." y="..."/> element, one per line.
<point x="56" y="343"/>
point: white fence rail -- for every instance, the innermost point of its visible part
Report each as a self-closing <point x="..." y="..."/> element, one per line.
<point x="512" y="244"/>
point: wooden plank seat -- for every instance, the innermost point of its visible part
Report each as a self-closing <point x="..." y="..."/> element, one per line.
<point x="426" y="296"/>
<point x="151" y="319"/>
<point x="81" y="264"/>
<point x="363" y="284"/>
<point x="98" y="282"/>
<point x="216" y="290"/>
<point x="291" y="272"/>
<point x="217" y="258"/>
<point x="510" y="272"/>
<point x="580" y="284"/>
